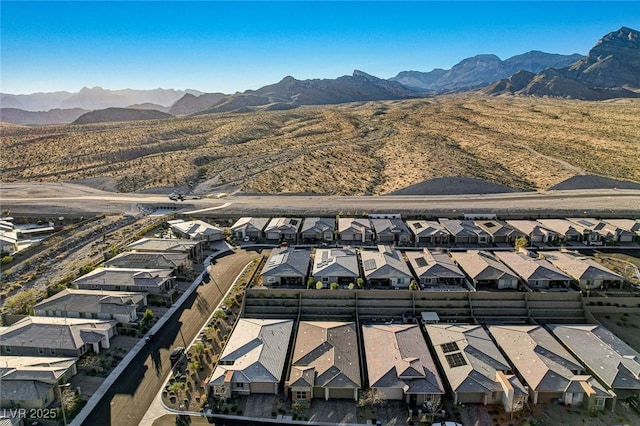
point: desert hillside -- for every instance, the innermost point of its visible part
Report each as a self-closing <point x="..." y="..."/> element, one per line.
<point x="358" y="148"/>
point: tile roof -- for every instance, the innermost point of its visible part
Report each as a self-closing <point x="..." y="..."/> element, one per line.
<point x="163" y="244"/>
<point x="544" y="364"/>
<point x="482" y="265"/>
<point x="580" y="267"/>
<point x="390" y="227"/>
<point x="57" y="333"/>
<point x="287" y="261"/>
<point x="353" y="225"/>
<point x="482" y="358"/>
<point x="612" y="360"/>
<point x="331" y="349"/>
<point x="250" y="224"/>
<point x="318" y="225"/>
<point x="194" y="228"/>
<point x="24" y="390"/>
<point x="91" y="301"/>
<point x="257" y="348"/>
<point x="497" y="228"/>
<point x="428" y="264"/>
<point x="44" y="369"/>
<point x="336" y="262"/>
<point x="426" y="228"/>
<point x="384" y="263"/>
<point x="530" y="227"/>
<point x="561" y="226"/>
<point x="462" y="228"/>
<point x="531" y="268"/>
<point x="287" y="225"/>
<point x="142" y="260"/>
<point x="126" y="277"/>
<point x="397" y="357"/>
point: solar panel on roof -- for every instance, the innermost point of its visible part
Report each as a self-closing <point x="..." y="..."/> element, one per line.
<point x="449" y="347"/>
<point x="421" y="262"/>
<point x="417" y="225"/>
<point x="455" y="360"/>
<point x="369" y="264"/>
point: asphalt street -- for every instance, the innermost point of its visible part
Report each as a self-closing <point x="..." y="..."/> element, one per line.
<point x="131" y="395"/>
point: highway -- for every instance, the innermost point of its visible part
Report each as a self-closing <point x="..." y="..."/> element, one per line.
<point x="61" y="198"/>
<point x="126" y="402"/>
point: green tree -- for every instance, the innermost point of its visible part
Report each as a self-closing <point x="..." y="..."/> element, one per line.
<point x="334" y="286"/>
<point x="319" y="285"/>
<point x="352" y="286"/>
<point x="148" y="315"/>
<point x="219" y="314"/>
<point x="521" y="242"/>
<point x="413" y="285"/>
<point x="6" y="259"/>
<point x="360" y="282"/>
<point x="310" y="282"/>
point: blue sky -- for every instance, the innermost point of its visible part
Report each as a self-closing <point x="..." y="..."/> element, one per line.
<point x="234" y="46"/>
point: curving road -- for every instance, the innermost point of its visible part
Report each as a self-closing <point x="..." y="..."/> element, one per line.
<point x="128" y="399"/>
<point x="61" y="198"/>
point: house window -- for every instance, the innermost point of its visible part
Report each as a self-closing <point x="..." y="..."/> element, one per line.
<point x="240" y="385"/>
<point x="52" y="351"/>
<point x="600" y="402"/>
<point x="325" y="279"/>
<point x="41" y="351"/>
<point x="7" y="349"/>
<point x="400" y="280"/>
<point x="301" y="395"/>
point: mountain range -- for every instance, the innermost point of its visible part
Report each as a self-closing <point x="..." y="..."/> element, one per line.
<point x="611" y="69"/>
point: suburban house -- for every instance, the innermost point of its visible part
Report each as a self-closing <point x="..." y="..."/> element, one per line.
<point x="547" y="368"/>
<point x="436" y="269"/>
<point x="475" y="370"/>
<point x="196" y="230"/>
<point x="286" y="266"/>
<point x="47" y="336"/>
<point x="30" y="382"/>
<point x="318" y="229"/>
<point x="601" y="231"/>
<point x="283" y="229"/>
<point x="385" y="268"/>
<point x="162" y="245"/>
<point x="484" y="269"/>
<point x="253" y="358"/>
<point x="249" y="228"/>
<point x="110" y="305"/>
<point x="537" y="272"/>
<point x="428" y="232"/>
<point x="391" y="231"/>
<point x="325" y="362"/>
<point x="179" y="263"/>
<point x="355" y="230"/>
<point x="8" y="238"/>
<point x="566" y="230"/>
<point x="339" y="265"/>
<point x="399" y="365"/>
<point x="465" y="231"/>
<point x="588" y="273"/>
<point x="629" y="225"/>
<point x="607" y="357"/>
<point x="499" y="232"/>
<point x="535" y="231"/>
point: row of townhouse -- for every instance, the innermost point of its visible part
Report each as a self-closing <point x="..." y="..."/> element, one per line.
<point x="498" y="364"/>
<point x="443" y="232"/>
<point x="387" y="267"/>
<point x="40" y="352"/>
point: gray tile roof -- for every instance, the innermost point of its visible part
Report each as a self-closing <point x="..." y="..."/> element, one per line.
<point x="257" y="348"/>
<point x="531" y="268"/>
<point x="612" y="360"/>
<point x="428" y="264"/>
<point x="331" y="349"/>
<point x="397" y="357"/>
<point x="335" y="262"/>
<point x="497" y="228"/>
<point x="256" y="224"/>
<point x="482" y="358"/>
<point x="24" y="390"/>
<point x="426" y="228"/>
<point x="390" y="227"/>
<point x="482" y="265"/>
<point x="318" y="225"/>
<point x="141" y="260"/>
<point x="462" y="228"/>
<point x="162" y="245"/>
<point x="195" y="229"/>
<point x="91" y="301"/>
<point x="544" y="364"/>
<point x="57" y="333"/>
<point x="284" y="225"/>
<point x="287" y="262"/>
<point x="384" y="263"/>
<point x="580" y="267"/>
<point x="137" y="278"/>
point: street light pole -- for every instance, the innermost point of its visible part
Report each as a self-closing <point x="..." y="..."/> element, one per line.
<point x="64" y="414"/>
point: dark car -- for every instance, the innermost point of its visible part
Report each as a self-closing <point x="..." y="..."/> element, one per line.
<point x="176" y="355"/>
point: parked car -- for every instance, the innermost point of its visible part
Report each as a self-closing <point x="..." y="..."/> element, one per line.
<point x="176" y="355"/>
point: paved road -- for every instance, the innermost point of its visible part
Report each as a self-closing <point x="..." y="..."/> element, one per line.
<point x="58" y="198"/>
<point x="131" y="395"/>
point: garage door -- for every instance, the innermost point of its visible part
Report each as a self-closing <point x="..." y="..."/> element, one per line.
<point x="341" y="393"/>
<point x="471" y="398"/>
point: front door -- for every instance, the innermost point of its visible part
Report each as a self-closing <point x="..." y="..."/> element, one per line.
<point x="413" y="400"/>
